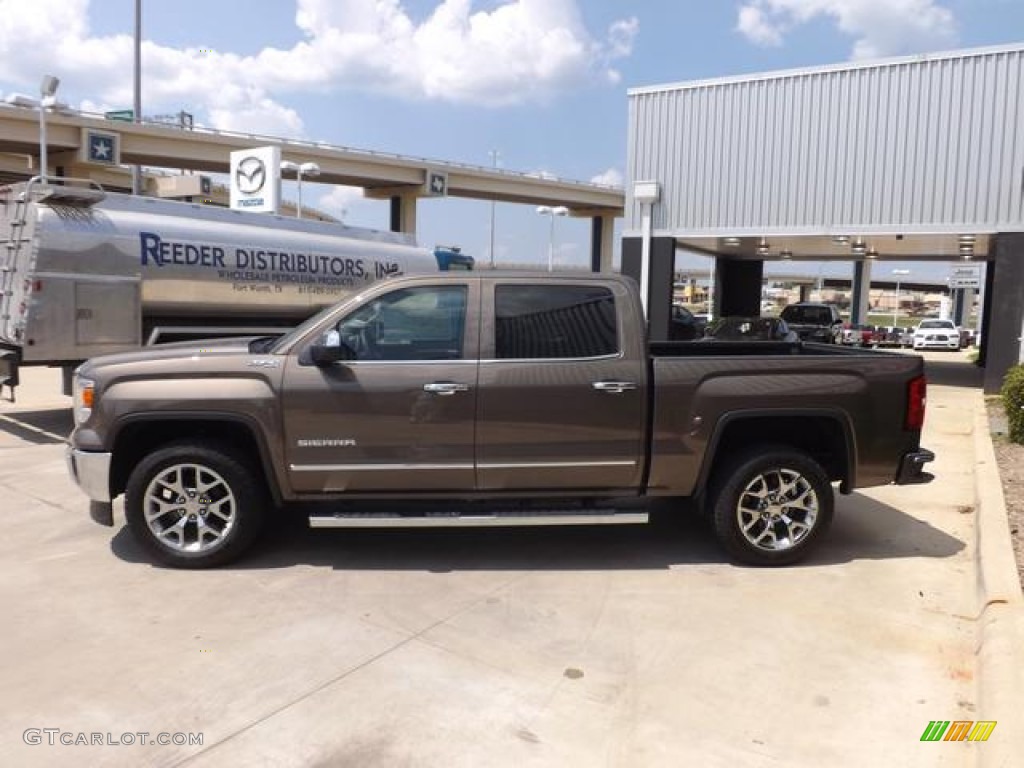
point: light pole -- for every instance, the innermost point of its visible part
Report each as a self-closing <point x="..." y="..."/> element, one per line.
<point x="47" y="98"/>
<point x="547" y="210"/>
<point x="896" y="309"/>
<point x="137" y="91"/>
<point x="305" y="169"/>
<point x="495" y="154"/>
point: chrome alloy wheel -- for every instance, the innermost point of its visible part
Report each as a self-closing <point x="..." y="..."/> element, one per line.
<point x="777" y="509"/>
<point x="189" y="508"/>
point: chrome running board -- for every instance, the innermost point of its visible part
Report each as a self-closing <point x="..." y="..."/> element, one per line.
<point x="475" y="519"/>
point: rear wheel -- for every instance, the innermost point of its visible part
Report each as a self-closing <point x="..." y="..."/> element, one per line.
<point x="771" y="506"/>
<point x="194" y="506"/>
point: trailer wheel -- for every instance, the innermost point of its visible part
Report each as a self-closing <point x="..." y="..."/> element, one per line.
<point x="194" y="506"/>
<point x="771" y="506"/>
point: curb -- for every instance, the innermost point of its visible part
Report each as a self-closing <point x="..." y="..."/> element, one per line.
<point x="1000" y="638"/>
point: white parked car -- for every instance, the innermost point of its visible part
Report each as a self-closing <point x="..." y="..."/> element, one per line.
<point x="937" y="334"/>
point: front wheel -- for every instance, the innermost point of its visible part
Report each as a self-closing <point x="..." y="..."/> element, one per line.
<point x="194" y="506"/>
<point x="771" y="506"/>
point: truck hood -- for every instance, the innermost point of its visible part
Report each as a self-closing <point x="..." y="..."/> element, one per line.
<point x="179" y="350"/>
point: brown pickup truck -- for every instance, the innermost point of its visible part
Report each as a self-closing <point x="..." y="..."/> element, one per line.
<point x="488" y="399"/>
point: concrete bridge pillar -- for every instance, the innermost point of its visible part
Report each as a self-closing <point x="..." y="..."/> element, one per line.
<point x="403" y="213"/>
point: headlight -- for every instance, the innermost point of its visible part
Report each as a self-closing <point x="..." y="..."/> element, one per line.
<point x="84" y="394"/>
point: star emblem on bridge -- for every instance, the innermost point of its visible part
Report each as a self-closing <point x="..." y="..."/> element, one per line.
<point x="101" y="148"/>
<point x="437" y="184"/>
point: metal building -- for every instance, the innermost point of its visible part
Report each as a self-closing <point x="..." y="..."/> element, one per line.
<point x="912" y="158"/>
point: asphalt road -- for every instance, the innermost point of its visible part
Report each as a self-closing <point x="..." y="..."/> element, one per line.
<point x="638" y="646"/>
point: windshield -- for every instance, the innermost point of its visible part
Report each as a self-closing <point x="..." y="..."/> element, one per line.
<point x="807" y="315"/>
<point x="262" y="345"/>
<point x="946" y="324"/>
<point x="300" y="330"/>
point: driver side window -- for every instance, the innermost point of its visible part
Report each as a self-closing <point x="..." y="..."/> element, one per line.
<point x="422" y="323"/>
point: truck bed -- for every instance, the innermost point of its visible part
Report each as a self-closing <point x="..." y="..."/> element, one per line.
<point x="807" y="394"/>
<point x="710" y="348"/>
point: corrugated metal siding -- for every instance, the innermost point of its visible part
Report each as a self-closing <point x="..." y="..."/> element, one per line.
<point x="915" y="144"/>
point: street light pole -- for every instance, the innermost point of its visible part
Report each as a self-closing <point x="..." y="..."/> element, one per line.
<point x="308" y="169"/>
<point x="47" y="90"/>
<point x="495" y="154"/>
<point x="896" y="309"/>
<point x="43" y="160"/>
<point x="137" y="88"/>
<point x="547" y="210"/>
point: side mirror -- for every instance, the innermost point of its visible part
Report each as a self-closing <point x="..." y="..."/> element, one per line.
<point x="328" y="354"/>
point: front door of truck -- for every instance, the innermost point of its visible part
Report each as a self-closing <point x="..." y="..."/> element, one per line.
<point x="562" y="400"/>
<point x="398" y="417"/>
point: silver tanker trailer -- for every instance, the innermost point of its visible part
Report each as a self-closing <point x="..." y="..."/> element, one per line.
<point x="84" y="272"/>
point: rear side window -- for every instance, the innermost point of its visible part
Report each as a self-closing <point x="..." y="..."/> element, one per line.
<point x="554" y="321"/>
<point x="809" y="315"/>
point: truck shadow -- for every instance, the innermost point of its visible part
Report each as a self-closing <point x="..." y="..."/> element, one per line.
<point x="864" y="529"/>
<point x="289" y="543"/>
<point x="45" y="427"/>
<point x="954" y="373"/>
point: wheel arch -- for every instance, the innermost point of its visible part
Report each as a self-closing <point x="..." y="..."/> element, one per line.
<point x="825" y="435"/>
<point x="142" y="433"/>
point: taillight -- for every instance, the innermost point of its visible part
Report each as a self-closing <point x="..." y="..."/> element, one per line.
<point x="917" y="391"/>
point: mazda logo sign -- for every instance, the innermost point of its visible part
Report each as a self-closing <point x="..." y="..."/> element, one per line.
<point x="250" y="175"/>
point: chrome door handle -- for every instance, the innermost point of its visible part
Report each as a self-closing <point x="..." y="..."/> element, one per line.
<point x="613" y="387"/>
<point x="445" y="387"/>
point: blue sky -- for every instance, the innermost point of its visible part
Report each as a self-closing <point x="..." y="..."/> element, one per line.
<point x="543" y="82"/>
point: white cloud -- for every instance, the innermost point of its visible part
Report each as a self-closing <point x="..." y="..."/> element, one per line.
<point x="542" y="174"/>
<point x="96" y="107"/>
<point x="879" y="27"/>
<point x="610" y="178"/>
<point x="250" y="110"/>
<point x="340" y="201"/>
<point x="753" y="24"/>
<point x="515" y="52"/>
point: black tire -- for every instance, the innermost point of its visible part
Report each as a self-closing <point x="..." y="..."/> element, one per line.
<point x="753" y="491"/>
<point x="222" y="498"/>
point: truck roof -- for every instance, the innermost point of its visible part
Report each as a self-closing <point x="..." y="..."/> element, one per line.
<point x="528" y="274"/>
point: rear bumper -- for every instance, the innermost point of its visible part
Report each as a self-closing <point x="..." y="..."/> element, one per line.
<point x="822" y="336"/>
<point x="911" y="470"/>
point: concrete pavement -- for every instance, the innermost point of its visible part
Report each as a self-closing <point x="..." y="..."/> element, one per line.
<point x="1001" y="605"/>
<point x="624" y="647"/>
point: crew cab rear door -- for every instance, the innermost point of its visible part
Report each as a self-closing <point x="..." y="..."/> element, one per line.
<point x="398" y="417"/>
<point x="561" y="401"/>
